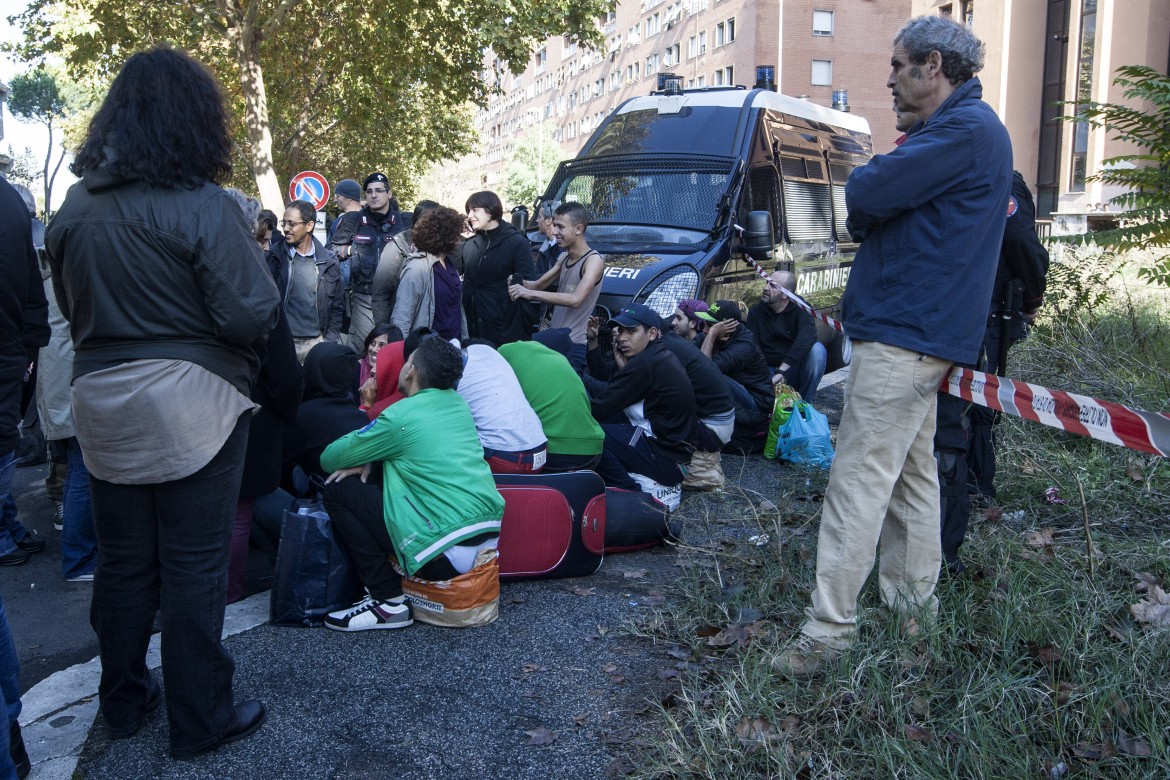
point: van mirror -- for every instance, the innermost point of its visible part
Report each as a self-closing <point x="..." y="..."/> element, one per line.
<point x="520" y="218"/>
<point x="757" y="235"/>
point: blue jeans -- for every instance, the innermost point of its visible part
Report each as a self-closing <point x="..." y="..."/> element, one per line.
<point x="10" y="686"/>
<point x="807" y="375"/>
<point x="163" y="548"/>
<point x="78" y="536"/>
<point x="11" y="530"/>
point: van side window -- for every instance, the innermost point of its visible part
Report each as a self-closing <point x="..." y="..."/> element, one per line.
<point x="807" y="199"/>
<point x="764" y="195"/>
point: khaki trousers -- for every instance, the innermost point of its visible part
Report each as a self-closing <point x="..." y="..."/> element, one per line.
<point x="883" y="490"/>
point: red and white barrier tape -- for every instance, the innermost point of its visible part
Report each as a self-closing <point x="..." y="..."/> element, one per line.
<point x="1079" y="414"/>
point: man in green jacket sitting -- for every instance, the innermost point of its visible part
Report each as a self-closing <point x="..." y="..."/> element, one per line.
<point x="437" y="505"/>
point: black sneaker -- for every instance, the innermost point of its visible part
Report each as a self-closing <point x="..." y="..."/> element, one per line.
<point x="369" y="614"/>
<point x="31" y="543"/>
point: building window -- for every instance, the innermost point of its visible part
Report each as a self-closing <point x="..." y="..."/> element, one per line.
<point x="822" y="22"/>
<point x="1080" y="145"/>
<point x="652" y="64"/>
<point x="692" y="47"/>
<point x="724" y="33"/>
<point x="672" y="56"/>
<point x="702" y="82"/>
<point x="703" y="42"/>
<point x="822" y="73"/>
<point x="542" y="60"/>
<point x="724" y="77"/>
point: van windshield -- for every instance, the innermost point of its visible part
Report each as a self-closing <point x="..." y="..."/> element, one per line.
<point x="680" y="195"/>
<point x="691" y="130"/>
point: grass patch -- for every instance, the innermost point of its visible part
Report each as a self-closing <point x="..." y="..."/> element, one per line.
<point x="1035" y="666"/>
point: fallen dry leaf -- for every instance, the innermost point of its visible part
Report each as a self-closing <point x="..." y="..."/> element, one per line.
<point x="1120" y="706"/>
<point x="1135" y="470"/>
<point x="609" y="668"/>
<point x="920" y="706"/>
<point x="530" y="668"/>
<point x="577" y="590"/>
<point x="634" y="574"/>
<point x="754" y="733"/>
<point x="707" y="631"/>
<point x="618" y="679"/>
<point x="1041" y="538"/>
<point x="993" y="514"/>
<point x="1047" y="655"/>
<point x="1090" y="751"/>
<point x="653" y="599"/>
<point x="916" y="733"/>
<point x="666" y="674"/>
<point x="1144" y="581"/>
<point x="1153" y="609"/>
<point x="541" y="736"/>
<point x="581" y="719"/>
<point x="1134" y="746"/>
<point x="737" y="633"/>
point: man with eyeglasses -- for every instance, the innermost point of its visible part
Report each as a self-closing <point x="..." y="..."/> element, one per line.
<point x="360" y="237"/>
<point x="308" y="277"/>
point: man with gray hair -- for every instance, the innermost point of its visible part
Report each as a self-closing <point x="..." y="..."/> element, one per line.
<point x="930" y="218"/>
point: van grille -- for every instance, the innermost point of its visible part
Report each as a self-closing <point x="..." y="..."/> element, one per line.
<point x="808" y="210"/>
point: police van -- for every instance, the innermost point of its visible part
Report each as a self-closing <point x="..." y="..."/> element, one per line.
<point x="681" y="184"/>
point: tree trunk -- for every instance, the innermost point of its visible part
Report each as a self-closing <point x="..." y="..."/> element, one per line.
<point x="48" y="181"/>
<point x="256" y="118"/>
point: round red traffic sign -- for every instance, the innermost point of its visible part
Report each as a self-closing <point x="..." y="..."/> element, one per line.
<point x="310" y="186"/>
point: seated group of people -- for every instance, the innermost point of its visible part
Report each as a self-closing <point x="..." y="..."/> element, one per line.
<point x="408" y="477"/>
<point x="405" y="438"/>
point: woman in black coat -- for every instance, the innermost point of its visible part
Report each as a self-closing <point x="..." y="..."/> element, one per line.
<point x="491" y="257"/>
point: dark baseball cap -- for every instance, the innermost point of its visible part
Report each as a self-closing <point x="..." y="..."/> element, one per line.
<point x="634" y="315"/>
<point x="349" y="188"/>
<point x="721" y="310"/>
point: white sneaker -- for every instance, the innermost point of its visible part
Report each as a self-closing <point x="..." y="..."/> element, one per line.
<point x="369" y="614"/>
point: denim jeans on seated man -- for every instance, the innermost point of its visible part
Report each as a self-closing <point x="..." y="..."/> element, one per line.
<point x="805" y="377"/>
<point x="748" y="413"/>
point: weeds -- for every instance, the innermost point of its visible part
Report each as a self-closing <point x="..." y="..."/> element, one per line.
<point x="1034" y="667"/>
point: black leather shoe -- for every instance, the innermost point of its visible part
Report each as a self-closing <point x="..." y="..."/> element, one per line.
<point x="32" y="543"/>
<point x="250" y="716"/>
<point x="153" y="698"/>
<point x="17" y="752"/>
<point x="15" y="558"/>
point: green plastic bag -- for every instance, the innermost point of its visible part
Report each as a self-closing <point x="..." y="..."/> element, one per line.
<point x="786" y="397"/>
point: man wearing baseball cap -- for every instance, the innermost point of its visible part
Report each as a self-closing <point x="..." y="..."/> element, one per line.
<point x="647" y="408"/>
<point x="733" y="348"/>
<point x="360" y="239"/>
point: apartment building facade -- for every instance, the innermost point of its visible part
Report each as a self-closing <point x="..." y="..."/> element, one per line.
<point x="818" y="47"/>
<point x="1042" y="52"/>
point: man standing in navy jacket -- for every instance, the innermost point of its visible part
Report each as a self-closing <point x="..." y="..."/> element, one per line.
<point x="930" y="216"/>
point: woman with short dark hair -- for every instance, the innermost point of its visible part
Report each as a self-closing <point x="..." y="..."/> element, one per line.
<point x="491" y="258"/>
<point x="169" y="302"/>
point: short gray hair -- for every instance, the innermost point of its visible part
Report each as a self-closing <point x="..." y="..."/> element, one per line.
<point x="26" y="195"/>
<point x="962" y="52"/>
<point x="548" y="209"/>
<point x="250" y="206"/>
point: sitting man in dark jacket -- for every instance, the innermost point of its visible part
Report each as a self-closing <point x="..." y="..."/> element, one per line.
<point x="733" y="348"/>
<point x="787" y="335"/>
<point x="657" y="435"/>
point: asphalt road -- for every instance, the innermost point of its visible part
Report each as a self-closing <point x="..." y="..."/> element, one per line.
<point x="553" y="688"/>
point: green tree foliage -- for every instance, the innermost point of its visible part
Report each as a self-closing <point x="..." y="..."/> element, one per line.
<point x="340" y="86"/>
<point x="1145" y="172"/>
<point x="533" y="161"/>
<point x="24" y="167"/>
<point x="36" y="96"/>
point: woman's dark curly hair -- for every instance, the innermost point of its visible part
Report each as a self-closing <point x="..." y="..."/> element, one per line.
<point x="164" y="119"/>
<point x="437" y="231"/>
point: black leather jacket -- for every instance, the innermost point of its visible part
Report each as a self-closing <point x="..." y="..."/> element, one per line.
<point x="146" y="272"/>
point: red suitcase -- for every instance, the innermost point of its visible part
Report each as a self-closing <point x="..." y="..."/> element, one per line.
<point x="554" y="525"/>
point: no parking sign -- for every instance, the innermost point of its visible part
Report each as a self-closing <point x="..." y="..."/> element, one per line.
<point x="310" y="186"/>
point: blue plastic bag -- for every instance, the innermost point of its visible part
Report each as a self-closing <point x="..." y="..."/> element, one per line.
<point x="804" y="437"/>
